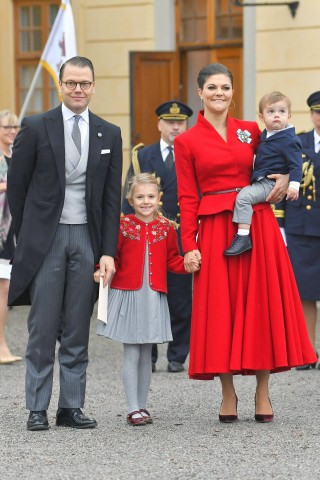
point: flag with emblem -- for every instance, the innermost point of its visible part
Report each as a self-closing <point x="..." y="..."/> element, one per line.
<point x="61" y="44"/>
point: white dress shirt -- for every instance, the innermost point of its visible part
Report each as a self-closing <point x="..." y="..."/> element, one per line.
<point x="68" y="119"/>
<point x="164" y="149"/>
<point x="316" y="142"/>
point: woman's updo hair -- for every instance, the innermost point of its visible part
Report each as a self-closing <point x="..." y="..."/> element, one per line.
<point x="213" y="69"/>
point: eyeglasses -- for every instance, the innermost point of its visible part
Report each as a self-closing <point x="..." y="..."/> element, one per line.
<point x="71" y="85"/>
<point x="10" y="127"/>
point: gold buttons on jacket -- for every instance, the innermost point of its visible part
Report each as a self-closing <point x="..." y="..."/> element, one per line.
<point x="309" y="197"/>
<point x="178" y="214"/>
<point x="160" y="203"/>
<point x="310" y="187"/>
<point x="308" y="207"/>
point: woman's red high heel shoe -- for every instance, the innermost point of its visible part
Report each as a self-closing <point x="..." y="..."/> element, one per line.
<point x="263" y="417"/>
<point x="229" y="418"/>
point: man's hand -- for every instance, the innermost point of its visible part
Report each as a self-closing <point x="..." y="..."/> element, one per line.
<point x="280" y="188"/>
<point x="107" y="269"/>
<point x="96" y="276"/>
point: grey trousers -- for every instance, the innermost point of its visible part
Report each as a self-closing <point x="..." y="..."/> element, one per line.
<point x="62" y="293"/>
<point x="255" y="193"/>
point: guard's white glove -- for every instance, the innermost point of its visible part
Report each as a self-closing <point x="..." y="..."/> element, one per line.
<point x="283" y="233"/>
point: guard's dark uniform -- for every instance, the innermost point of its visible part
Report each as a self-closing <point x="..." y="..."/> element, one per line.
<point x="301" y="220"/>
<point x="179" y="286"/>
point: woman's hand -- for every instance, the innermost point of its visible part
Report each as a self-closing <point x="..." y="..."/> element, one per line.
<point x="192" y="261"/>
<point x="280" y="188"/>
<point x="3" y="187"/>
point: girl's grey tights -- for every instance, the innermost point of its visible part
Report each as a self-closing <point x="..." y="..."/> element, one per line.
<point x="137" y="371"/>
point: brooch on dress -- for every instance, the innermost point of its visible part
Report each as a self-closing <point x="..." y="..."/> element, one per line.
<point x="244" y="136"/>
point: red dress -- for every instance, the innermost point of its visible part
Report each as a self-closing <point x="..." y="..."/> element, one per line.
<point x="247" y="313"/>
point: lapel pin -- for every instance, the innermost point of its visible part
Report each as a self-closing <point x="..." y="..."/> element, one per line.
<point x="99" y="134"/>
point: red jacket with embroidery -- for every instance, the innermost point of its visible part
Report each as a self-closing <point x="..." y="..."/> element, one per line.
<point x="163" y="253"/>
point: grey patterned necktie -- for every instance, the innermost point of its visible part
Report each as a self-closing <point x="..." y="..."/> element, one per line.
<point x="169" y="160"/>
<point x="76" y="134"/>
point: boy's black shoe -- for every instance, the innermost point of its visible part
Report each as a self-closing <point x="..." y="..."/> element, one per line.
<point x="240" y="244"/>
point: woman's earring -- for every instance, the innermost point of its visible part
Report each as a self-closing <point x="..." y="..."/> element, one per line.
<point x="233" y="105"/>
<point x="201" y="102"/>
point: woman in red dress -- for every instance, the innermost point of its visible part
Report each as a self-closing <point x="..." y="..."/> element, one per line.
<point x="247" y="316"/>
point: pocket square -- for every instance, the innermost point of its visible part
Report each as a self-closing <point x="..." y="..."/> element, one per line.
<point x="107" y="150"/>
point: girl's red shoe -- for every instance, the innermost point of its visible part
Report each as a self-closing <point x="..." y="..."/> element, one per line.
<point x="137" y="421"/>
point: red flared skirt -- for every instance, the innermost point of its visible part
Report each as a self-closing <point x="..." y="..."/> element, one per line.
<point x="247" y="313"/>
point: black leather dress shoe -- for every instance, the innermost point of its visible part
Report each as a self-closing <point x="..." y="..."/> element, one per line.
<point x="153" y="367"/>
<point x="74" y="418"/>
<point x="240" y="244"/>
<point x="174" y="367"/>
<point x="38" y="420"/>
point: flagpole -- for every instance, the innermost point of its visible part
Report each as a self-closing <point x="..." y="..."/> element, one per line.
<point x="60" y="46"/>
<point x="30" y="92"/>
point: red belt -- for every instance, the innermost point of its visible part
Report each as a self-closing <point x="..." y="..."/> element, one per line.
<point x="222" y="191"/>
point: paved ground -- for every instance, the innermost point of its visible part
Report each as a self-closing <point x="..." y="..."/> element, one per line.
<point x="186" y="441"/>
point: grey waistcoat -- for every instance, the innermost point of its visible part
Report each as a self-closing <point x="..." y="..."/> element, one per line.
<point x="74" y="208"/>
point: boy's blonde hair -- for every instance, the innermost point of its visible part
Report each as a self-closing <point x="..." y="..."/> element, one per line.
<point x="274" y="97"/>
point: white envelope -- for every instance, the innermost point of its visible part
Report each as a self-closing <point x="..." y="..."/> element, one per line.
<point x="105" y="151"/>
<point x="103" y="302"/>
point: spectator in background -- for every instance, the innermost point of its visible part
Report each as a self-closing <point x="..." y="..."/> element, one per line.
<point x="300" y="222"/>
<point x="8" y="131"/>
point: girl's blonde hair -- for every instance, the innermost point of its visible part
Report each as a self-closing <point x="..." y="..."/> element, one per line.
<point x="146" y="179"/>
<point x="149" y="179"/>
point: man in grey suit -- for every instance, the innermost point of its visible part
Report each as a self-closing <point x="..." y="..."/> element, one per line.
<point x="64" y="191"/>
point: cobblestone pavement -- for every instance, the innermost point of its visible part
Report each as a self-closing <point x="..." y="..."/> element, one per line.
<point x="186" y="440"/>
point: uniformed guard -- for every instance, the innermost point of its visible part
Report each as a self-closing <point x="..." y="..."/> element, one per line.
<point x="159" y="159"/>
<point x="300" y="221"/>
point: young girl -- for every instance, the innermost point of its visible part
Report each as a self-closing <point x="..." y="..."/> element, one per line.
<point x="138" y="313"/>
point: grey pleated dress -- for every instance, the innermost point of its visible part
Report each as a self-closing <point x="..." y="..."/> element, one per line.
<point x="137" y="316"/>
